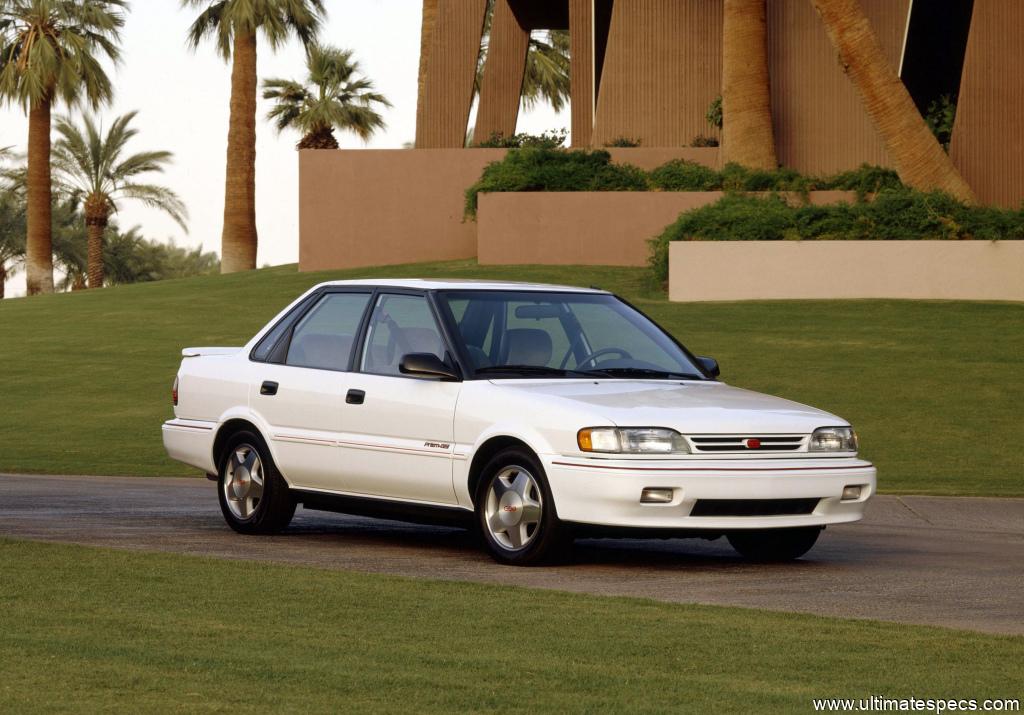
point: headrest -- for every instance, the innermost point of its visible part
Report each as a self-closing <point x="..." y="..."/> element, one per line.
<point x="422" y="340"/>
<point x="321" y="350"/>
<point x="527" y="346"/>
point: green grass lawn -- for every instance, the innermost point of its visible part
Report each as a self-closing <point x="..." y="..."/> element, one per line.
<point x="935" y="388"/>
<point x="120" y="631"/>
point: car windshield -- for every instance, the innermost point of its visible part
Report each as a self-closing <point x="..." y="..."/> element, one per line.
<point x="558" y="335"/>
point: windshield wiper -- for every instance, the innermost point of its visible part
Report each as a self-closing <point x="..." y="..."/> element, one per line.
<point x="531" y="370"/>
<point x="643" y="372"/>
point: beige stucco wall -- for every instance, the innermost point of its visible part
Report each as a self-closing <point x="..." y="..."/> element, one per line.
<point x="372" y="207"/>
<point x="608" y="228"/>
<point x="599" y="228"/>
<point x="378" y="207"/>
<point x="758" y="270"/>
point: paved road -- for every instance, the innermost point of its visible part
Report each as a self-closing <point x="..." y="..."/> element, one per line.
<point x="928" y="560"/>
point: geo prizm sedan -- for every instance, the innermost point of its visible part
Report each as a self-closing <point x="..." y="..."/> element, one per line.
<point x="534" y="413"/>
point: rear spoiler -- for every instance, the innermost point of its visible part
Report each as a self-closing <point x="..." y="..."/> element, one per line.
<point x="199" y="352"/>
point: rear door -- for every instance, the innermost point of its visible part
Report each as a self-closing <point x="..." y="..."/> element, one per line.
<point x="299" y="392"/>
<point x="398" y="440"/>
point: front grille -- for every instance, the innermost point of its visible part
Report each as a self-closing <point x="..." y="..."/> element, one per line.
<point x="753" y="507"/>
<point x="739" y="443"/>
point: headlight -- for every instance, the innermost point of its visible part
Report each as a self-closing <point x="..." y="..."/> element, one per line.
<point x="834" y="439"/>
<point x="632" y="440"/>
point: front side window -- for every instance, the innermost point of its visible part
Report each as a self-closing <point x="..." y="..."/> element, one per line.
<point x="400" y="325"/>
<point x="324" y="337"/>
<point x="563" y="334"/>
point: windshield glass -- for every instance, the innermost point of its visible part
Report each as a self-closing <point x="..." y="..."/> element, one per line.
<point x="532" y="334"/>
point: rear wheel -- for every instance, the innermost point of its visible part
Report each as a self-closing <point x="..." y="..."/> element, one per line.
<point x="516" y="512"/>
<point x="254" y="497"/>
<point x="774" y="544"/>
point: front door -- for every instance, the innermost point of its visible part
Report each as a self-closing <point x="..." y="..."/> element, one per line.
<point x="301" y="399"/>
<point x="398" y="441"/>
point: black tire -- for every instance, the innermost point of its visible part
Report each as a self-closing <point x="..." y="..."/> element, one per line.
<point x="548" y="540"/>
<point x="767" y="545"/>
<point x="275" y="507"/>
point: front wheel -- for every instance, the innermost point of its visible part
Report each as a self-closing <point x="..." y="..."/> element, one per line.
<point x="254" y="497"/>
<point x="516" y="512"/>
<point x="774" y="544"/>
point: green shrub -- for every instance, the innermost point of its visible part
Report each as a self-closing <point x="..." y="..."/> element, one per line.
<point x="623" y="142"/>
<point x="895" y="214"/>
<point x="714" y="113"/>
<point x="545" y="169"/>
<point x="550" y="139"/>
<point x="734" y="217"/>
<point x="865" y="180"/>
<point x="682" y="175"/>
<point x="702" y="141"/>
<point x="741" y="178"/>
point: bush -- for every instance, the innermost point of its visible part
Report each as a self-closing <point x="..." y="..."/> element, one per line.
<point x="623" y="142"/>
<point x="865" y="180"/>
<point x="702" y="141"/>
<point x="895" y="214"/>
<point x="551" y="139"/>
<point x="682" y="175"/>
<point x="546" y="169"/>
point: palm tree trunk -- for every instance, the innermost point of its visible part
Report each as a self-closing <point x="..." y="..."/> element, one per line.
<point x="97" y="216"/>
<point x="3" y="279"/>
<point x="919" y="159"/>
<point x="747" y="137"/>
<point x="39" y="249"/>
<point x="239" y="240"/>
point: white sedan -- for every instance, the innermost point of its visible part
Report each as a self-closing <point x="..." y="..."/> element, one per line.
<point x="534" y="413"/>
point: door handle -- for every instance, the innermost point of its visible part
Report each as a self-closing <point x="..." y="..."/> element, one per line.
<point x="355" y="397"/>
<point x="268" y="388"/>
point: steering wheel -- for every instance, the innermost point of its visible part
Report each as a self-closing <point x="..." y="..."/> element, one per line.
<point x="604" y="351"/>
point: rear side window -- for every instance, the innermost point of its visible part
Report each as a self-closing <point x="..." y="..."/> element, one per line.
<point x="265" y="348"/>
<point x="324" y="338"/>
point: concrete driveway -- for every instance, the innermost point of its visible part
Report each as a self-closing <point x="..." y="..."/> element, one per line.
<point x="954" y="562"/>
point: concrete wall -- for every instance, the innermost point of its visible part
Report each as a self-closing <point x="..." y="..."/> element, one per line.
<point x="609" y="228"/>
<point x="988" y="137"/>
<point x="762" y="270"/>
<point x="600" y="228"/>
<point x="371" y="207"/>
<point x="377" y="207"/>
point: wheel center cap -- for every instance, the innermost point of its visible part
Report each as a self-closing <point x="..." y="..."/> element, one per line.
<point x="240" y="482"/>
<point x="510" y="509"/>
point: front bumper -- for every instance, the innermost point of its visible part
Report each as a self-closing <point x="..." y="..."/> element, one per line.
<point x="606" y="492"/>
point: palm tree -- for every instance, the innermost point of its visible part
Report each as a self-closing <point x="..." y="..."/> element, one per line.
<point x="747" y="137"/>
<point x="12" y="236"/>
<point x="334" y="97"/>
<point x="50" y="51"/>
<point x="234" y="25"/>
<point x="917" y="154"/>
<point x="97" y="168"/>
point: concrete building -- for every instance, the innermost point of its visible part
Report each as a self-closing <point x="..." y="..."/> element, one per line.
<point x="648" y="70"/>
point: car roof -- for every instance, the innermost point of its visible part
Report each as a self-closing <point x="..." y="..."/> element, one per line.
<point x="460" y="284"/>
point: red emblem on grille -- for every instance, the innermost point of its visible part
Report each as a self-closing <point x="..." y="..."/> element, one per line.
<point x="753" y="444"/>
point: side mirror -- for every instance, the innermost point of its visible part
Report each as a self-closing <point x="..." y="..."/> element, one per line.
<point x="710" y="366"/>
<point x="426" y="365"/>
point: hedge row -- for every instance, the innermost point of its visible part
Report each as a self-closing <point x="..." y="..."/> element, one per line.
<point x="543" y="168"/>
<point x="893" y="214"/>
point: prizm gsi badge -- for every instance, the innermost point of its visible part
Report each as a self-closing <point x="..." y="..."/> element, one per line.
<point x="753" y="443"/>
<point x="437" y="445"/>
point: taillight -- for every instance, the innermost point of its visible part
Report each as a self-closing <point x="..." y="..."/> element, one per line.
<point x="174" y="391"/>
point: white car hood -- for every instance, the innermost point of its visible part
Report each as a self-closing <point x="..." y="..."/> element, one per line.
<point x="689" y="407"/>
